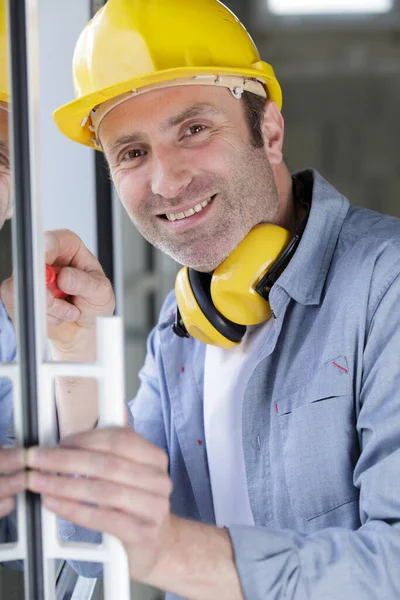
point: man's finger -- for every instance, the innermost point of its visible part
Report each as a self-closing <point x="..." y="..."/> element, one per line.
<point x="11" y="460"/>
<point x="11" y="485"/>
<point x="98" y="465"/>
<point x="125" y="527"/>
<point x="121" y="441"/>
<point x="53" y="322"/>
<point x="7" y="295"/>
<point x="92" y="287"/>
<point x="131" y="500"/>
<point x="60" y="310"/>
<point x="7" y="505"/>
<point x="64" y="247"/>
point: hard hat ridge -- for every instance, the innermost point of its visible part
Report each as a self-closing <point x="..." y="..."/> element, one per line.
<point x="132" y="44"/>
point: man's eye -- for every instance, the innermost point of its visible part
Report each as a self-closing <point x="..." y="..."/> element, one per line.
<point x="193" y="129"/>
<point x="132" y="154"/>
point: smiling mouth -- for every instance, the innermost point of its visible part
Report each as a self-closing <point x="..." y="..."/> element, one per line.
<point x="188" y="213"/>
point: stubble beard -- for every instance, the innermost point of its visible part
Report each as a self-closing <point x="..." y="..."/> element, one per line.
<point x="249" y="198"/>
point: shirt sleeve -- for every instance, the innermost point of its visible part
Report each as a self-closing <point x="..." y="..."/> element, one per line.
<point x="336" y="562"/>
<point x="146" y="408"/>
<point x="6" y="409"/>
<point x="8" y="350"/>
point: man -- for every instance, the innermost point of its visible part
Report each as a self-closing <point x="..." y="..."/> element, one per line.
<point x="7" y="338"/>
<point x="12" y="478"/>
<point x="11" y="459"/>
<point x="269" y="470"/>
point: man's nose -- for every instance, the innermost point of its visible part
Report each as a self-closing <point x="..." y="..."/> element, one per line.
<point x="170" y="176"/>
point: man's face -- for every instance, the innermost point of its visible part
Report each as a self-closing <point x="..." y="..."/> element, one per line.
<point x="5" y="177"/>
<point x="187" y="150"/>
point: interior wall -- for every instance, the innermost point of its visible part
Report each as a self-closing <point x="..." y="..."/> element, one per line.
<point x="341" y="93"/>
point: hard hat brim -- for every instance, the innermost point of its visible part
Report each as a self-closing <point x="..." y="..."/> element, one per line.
<point x="71" y="118"/>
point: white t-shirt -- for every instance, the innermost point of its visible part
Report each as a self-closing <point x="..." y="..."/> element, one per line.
<point x="226" y="374"/>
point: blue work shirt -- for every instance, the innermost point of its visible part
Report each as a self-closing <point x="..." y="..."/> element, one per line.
<point x="8" y="350"/>
<point x="321" y="417"/>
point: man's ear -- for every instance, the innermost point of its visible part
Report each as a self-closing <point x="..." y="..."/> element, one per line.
<point x="273" y="129"/>
<point x="10" y="211"/>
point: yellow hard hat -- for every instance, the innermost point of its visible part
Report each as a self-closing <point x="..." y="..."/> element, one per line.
<point x="132" y="44"/>
<point x="4" y="86"/>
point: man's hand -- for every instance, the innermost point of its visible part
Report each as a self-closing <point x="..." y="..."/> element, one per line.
<point x="71" y="322"/>
<point x="125" y="480"/>
<point x="12" y="478"/>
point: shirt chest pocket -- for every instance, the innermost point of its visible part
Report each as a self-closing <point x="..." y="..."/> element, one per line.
<point x="319" y="442"/>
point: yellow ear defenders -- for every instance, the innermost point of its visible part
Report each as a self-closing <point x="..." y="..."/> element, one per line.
<point x="215" y="308"/>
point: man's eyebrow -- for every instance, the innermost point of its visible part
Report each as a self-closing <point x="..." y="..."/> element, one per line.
<point x="193" y="111"/>
<point x="128" y="138"/>
<point x="4" y="148"/>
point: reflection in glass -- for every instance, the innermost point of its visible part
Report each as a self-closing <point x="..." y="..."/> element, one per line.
<point x="11" y="581"/>
<point x="7" y="337"/>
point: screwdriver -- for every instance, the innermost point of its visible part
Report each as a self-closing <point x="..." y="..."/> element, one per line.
<point x="51" y="281"/>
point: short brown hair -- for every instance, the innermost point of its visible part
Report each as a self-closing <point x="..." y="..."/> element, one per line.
<point x="254" y="112"/>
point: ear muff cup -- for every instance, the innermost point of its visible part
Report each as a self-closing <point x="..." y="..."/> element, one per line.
<point x="201" y="288"/>
<point x="233" y="284"/>
<point x="217" y="308"/>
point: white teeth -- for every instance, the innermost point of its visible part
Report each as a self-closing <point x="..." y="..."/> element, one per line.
<point x="188" y="213"/>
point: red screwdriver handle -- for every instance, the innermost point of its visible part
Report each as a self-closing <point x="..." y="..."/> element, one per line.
<point x="51" y="281"/>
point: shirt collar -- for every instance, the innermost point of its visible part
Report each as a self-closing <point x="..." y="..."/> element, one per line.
<point x="304" y="277"/>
